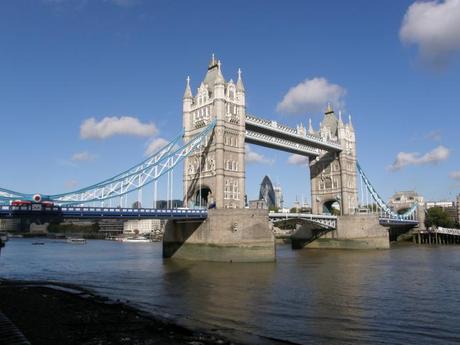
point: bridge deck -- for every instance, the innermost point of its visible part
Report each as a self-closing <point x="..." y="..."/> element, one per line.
<point x="102" y="212"/>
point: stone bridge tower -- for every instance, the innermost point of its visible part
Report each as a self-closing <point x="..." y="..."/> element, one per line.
<point x="216" y="173"/>
<point x="333" y="175"/>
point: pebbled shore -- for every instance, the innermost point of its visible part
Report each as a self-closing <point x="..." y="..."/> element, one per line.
<point x="49" y="313"/>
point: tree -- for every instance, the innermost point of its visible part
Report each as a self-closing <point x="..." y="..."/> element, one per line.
<point x="436" y="216"/>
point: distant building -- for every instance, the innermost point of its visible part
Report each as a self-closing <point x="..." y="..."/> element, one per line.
<point x="404" y="200"/>
<point x="258" y="204"/>
<point x="442" y="204"/>
<point x="38" y="228"/>
<point x="301" y="207"/>
<point x="142" y="226"/>
<point x="163" y="204"/>
<point x="267" y="193"/>
<point x="458" y="209"/>
<point x="9" y="224"/>
<point x="78" y="222"/>
<point x="111" y="227"/>
<point x="137" y="204"/>
<point x="448" y="206"/>
<point x="278" y="196"/>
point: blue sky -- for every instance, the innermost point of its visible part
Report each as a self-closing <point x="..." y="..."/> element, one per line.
<point x="63" y="62"/>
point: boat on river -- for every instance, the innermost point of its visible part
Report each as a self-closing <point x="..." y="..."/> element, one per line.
<point x="136" y="240"/>
<point x="74" y="240"/>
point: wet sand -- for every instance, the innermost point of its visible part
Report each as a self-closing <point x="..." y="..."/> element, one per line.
<point x="49" y="313"/>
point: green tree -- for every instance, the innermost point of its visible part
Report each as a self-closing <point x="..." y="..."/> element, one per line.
<point x="436" y="216"/>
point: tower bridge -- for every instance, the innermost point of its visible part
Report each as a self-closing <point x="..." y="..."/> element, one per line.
<point x="216" y="128"/>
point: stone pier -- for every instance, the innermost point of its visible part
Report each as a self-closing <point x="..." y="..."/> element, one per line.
<point x="354" y="232"/>
<point x="227" y="235"/>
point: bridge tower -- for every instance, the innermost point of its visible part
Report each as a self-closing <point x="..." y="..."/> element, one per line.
<point x="333" y="175"/>
<point x="216" y="173"/>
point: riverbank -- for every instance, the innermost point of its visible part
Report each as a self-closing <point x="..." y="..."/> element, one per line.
<point x="49" y="313"/>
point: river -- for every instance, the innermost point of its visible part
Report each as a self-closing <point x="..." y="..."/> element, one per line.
<point x="406" y="295"/>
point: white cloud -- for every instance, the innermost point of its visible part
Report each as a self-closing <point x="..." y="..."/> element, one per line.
<point x="455" y="175"/>
<point x="71" y="184"/>
<point x="311" y="95"/>
<point x="254" y="157"/>
<point x="110" y="126"/>
<point x="434" y="156"/>
<point x="296" y="159"/>
<point x="434" y="26"/>
<point x="82" y="156"/>
<point x="155" y="145"/>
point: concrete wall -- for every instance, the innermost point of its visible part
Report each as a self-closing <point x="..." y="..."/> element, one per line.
<point x="232" y="235"/>
<point x="355" y="232"/>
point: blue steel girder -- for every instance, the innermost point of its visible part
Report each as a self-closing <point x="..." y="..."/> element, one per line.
<point x="101" y="212"/>
<point x="138" y="176"/>
<point x="380" y="201"/>
<point x="160" y="163"/>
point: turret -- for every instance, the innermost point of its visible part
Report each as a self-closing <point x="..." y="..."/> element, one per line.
<point x="310" y="127"/>
<point x="187" y="105"/>
<point x="219" y="82"/>
<point x="240" y="91"/>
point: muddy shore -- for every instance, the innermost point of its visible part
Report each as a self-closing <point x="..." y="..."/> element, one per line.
<point x="49" y="313"/>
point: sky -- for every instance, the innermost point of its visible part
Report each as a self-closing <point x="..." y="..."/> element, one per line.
<point x="89" y="87"/>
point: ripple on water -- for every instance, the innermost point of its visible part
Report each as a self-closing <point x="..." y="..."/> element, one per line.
<point x="407" y="295"/>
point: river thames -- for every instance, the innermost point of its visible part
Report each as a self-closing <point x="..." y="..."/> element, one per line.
<point x="406" y="295"/>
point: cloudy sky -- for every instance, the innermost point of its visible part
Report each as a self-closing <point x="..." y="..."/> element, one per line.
<point x="89" y="88"/>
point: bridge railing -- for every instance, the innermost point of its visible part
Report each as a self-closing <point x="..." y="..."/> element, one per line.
<point x="270" y="140"/>
<point x="274" y="125"/>
<point x="101" y="212"/>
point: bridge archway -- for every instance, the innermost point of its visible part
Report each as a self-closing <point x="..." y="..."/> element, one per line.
<point x="203" y="197"/>
<point x="332" y="207"/>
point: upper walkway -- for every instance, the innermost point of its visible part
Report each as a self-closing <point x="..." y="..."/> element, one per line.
<point x="275" y="135"/>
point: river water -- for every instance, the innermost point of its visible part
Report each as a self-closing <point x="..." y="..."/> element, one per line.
<point x="406" y="295"/>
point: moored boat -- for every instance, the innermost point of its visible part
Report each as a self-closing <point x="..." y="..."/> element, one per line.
<point x="74" y="240"/>
<point x="135" y="240"/>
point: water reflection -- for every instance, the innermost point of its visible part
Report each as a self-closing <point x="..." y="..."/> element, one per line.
<point x="405" y="295"/>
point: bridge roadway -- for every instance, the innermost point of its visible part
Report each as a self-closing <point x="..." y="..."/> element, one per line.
<point x="102" y="212"/>
<point x="325" y="221"/>
<point x="330" y="222"/>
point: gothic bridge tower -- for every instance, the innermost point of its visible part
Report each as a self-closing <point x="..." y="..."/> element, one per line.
<point x="333" y="175"/>
<point x="216" y="173"/>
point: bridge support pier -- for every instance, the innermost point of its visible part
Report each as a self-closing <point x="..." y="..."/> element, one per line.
<point x="227" y="235"/>
<point x="355" y="232"/>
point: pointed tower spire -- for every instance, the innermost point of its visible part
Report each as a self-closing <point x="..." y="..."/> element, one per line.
<point x="213" y="61"/>
<point x="329" y="109"/>
<point x="349" y="121"/>
<point x="239" y="83"/>
<point x="188" y="90"/>
<point x="219" y="77"/>
<point x="310" y="127"/>
<point x="340" y="119"/>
